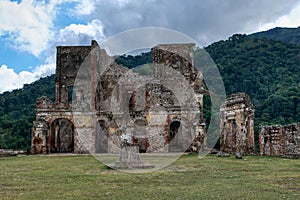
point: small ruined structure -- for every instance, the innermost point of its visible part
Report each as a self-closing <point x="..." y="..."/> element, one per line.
<point x="97" y="100"/>
<point x="280" y="140"/>
<point x="237" y="125"/>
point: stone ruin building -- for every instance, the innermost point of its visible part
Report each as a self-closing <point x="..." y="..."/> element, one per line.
<point x="237" y="125"/>
<point x="97" y="100"/>
<point x="280" y="140"/>
<point x="237" y="131"/>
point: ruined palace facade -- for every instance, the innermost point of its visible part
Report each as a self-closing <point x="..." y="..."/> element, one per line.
<point x="98" y="100"/>
<point x="279" y="140"/>
<point x="237" y="125"/>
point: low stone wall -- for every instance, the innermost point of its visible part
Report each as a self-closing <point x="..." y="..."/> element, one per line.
<point x="11" y="152"/>
<point x="280" y="140"/>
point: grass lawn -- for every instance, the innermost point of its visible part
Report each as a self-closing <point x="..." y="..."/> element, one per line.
<point x="83" y="177"/>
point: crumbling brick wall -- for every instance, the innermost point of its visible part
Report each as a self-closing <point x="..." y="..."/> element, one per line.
<point x="278" y="140"/>
<point x="237" y="124"/>
<point x="69" y="59"/>
<point x="107" y="99"/>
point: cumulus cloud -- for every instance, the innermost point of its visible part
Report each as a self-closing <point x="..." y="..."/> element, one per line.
<point x="292" y="19"/>
<point x="28" y="25"/>
<point x="85" y="7"/>
<point x="46" y="69"/>
<point x="205" y="21"/>
<point x="31" y="29"/>
<point x="76" y="34"/>
<point x="10" y="80"/>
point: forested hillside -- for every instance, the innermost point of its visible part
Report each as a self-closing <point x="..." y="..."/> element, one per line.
<point x="268" y="70"/>
<point x="288" y="35"/>
<point x="17" y="112"/>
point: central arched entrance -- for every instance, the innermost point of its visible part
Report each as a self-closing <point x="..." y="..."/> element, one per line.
<point x="62" y="136"/>
<point x="173" y="136"/>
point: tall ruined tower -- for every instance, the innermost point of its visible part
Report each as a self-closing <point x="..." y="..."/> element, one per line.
<point x="69" y="59"/>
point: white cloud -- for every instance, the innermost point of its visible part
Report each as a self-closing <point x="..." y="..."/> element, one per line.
<point x="76" y="34"/>
<point x="28" y="25"/>
<point x="207" y="21"/>
<point x="85" y="7"/>
<point x="10" y="80"/>
<point x="291" y="20"/>
<point x="44" y="70"/>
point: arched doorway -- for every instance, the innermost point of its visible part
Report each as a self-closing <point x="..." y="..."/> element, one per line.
<point x="173" y="138"/>
<point x="62" y="136"/>
<point x="101" y="145"/>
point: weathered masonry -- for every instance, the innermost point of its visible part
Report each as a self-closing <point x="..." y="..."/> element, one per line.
<point x="280" y="140"/>
<point x="97" y="100"/>
<point x="237" y="125"/>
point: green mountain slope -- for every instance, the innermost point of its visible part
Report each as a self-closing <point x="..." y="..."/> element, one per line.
<point x="268" y="70"/>
<point x="17" y="112"/>
<point x="288" y="35"/>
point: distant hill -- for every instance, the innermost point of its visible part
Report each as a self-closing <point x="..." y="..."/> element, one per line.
<point x="268" y="70"/>
<point x="289" y="35"/>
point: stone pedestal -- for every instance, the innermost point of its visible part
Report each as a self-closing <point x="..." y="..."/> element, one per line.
<point x="129" y="158"/>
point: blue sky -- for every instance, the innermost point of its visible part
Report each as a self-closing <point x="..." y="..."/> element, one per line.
<point x="31" y="29"/>
<point x="19" y="60"/>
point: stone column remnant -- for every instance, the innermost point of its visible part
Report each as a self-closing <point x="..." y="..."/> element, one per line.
<point x="237" y="125"/>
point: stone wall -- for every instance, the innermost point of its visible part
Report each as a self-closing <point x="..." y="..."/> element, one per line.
<point x="280" y="140"/>
<point x="162" y="112"/>
<point x="237" y="125"/>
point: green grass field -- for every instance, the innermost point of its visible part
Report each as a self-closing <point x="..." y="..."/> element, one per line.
<point x="83" y="177"/>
